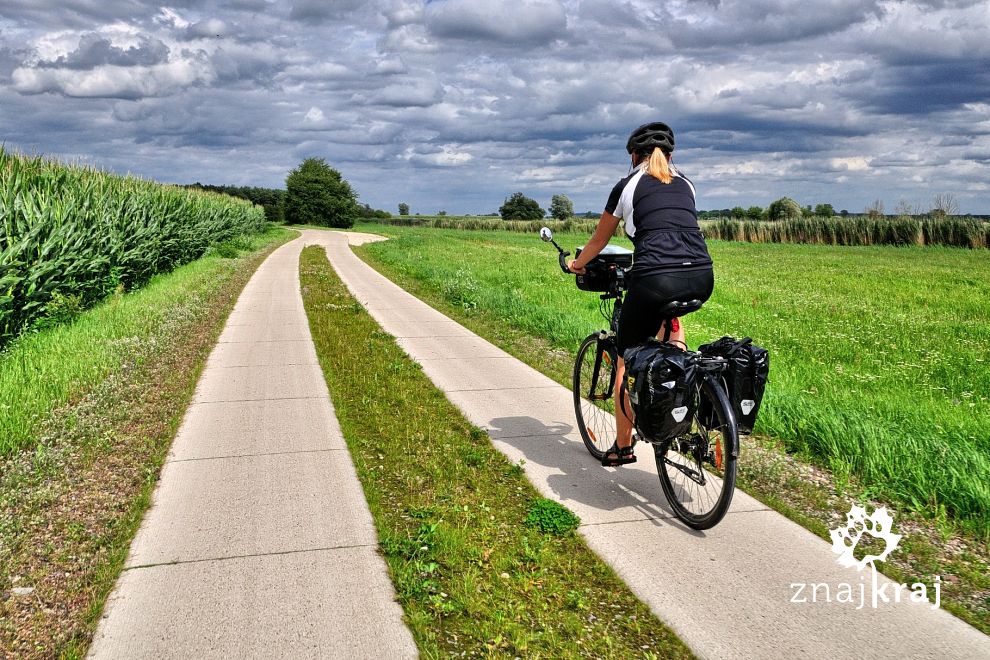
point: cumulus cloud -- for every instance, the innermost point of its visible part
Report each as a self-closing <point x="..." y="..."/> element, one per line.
<point x="95" y="50"/>
<point x="113" y="81"/>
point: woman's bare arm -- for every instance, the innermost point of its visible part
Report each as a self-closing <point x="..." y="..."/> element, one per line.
<point x="603" y="233"/>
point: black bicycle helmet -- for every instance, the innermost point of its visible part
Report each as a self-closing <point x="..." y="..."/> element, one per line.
<point x="649" y="136"/>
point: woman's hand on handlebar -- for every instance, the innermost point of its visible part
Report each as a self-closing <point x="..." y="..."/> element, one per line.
<point x="577" y="271"/>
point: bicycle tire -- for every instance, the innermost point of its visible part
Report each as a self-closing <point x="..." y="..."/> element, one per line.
<point x="711" y="450"/>
<point x="594" y="398"/>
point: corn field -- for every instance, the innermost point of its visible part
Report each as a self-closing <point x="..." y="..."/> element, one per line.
<point x="73" y="235"/>
<point x="948" y="231"/>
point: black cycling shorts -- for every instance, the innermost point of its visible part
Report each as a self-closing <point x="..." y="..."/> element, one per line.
<point x="639" y="319"/>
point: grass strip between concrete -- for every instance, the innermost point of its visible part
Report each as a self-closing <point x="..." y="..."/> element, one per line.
<point x="481" y="563"/>
<point x="72" y="499"/>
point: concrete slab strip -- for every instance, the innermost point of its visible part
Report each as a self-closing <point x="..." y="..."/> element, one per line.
<point x="313" y="604"/>
<point x="259" y="542"/>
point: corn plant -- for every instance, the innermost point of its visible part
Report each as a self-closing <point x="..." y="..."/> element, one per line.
<point x="83" y="233"/>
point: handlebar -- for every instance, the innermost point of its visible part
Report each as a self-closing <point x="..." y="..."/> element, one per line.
<point x="547" y="235"/>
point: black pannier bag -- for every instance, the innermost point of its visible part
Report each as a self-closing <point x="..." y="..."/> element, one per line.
<point x="597" y="276"/>
<point x="745" y="377"/>
<point x="660" y="378"/>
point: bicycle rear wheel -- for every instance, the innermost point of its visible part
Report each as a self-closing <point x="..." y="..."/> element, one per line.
<point x="698" y="469"/>
<point x="594" y="393"/>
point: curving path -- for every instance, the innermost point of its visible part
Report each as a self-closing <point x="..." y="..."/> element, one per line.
<point x="259" y="542"/>
<point x="727" y="591"/>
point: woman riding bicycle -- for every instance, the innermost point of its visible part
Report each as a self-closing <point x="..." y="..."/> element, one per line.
<point x="670" y="258"/>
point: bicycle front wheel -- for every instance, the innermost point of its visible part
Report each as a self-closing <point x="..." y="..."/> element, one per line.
<point x="594" y="393"/>
<point x="698" y="469"/>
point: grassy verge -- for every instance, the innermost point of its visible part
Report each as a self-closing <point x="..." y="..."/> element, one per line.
<point x="526" y="311"/>
<point x="71" y="501"/>
<point x="482" y="565"/>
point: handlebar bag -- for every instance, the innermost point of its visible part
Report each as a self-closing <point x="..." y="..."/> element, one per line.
<point x="661" y="380"/>
<point x="600" y="271"/>
<point x="746" y="376"/>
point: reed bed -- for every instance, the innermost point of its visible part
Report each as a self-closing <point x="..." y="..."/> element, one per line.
<point x="948" y="231"/>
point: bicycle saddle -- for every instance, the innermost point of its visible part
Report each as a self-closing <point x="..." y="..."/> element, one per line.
<point x="676" y="308"/>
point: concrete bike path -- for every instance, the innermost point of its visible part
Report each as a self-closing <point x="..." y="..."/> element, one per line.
<point x="727" y="591"/>
<point x="259" y="542"/>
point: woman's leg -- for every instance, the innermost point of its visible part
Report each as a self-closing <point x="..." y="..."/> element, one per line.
<point x="677" y="336"/>
<point x="624" y="414"/>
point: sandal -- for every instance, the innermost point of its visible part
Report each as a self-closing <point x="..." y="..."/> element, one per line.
<point x="617" y="455"/>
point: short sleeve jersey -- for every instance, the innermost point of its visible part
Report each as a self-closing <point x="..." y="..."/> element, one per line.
<point x="662" y="222"/>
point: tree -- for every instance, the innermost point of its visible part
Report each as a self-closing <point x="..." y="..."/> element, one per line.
<point x="561" y="207"/>
<point x="905" y="209"/>
<point x="365" y="211"/>
<point x="738" y="212"/>
<point x="754" y="212"/>
<point x="520" y="207"/>
<point x="944" y="205"/>
<point x="874" y="210"/>
<point x="403" y="208"/>
<point x="315" y="193"/>
<point x="824" y="210"/>
<point x="441" y="213"/>
<point x="784" y="208"/>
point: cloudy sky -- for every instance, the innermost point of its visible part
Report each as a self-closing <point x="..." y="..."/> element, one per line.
<point x="455" y="104"/>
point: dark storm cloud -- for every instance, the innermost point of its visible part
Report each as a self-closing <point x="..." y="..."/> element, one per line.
<point x="321" y="10"/>
<point x="921" y="89"/>
<point x="510" y="21"/>
<point x="831" y="101"/>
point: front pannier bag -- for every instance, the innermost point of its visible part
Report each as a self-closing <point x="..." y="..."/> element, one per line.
<point x="746" y="377"/>
<point x="661" y="383"/>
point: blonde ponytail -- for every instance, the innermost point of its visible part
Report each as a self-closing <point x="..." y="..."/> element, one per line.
<point x="658" y="167"/>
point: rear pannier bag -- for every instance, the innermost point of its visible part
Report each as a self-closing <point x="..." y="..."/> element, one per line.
<point x="745" y="377"/>
<point x="661" y="382"/>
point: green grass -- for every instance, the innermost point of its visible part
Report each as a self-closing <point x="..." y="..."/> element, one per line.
<point x="879" y="361"/>
<point x="482" y="565"/>
<point x="43" y="370"/>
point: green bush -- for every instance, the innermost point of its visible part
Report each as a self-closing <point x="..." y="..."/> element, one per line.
<point x="551" y="517"/>
<point x="784" y="208"/>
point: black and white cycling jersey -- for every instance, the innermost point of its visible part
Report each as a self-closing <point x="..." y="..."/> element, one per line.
<point x="662" y="222"/>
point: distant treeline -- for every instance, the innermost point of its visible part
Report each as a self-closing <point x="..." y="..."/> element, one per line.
<point x="273" y="200"/>
<point x="270" y="199"/>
